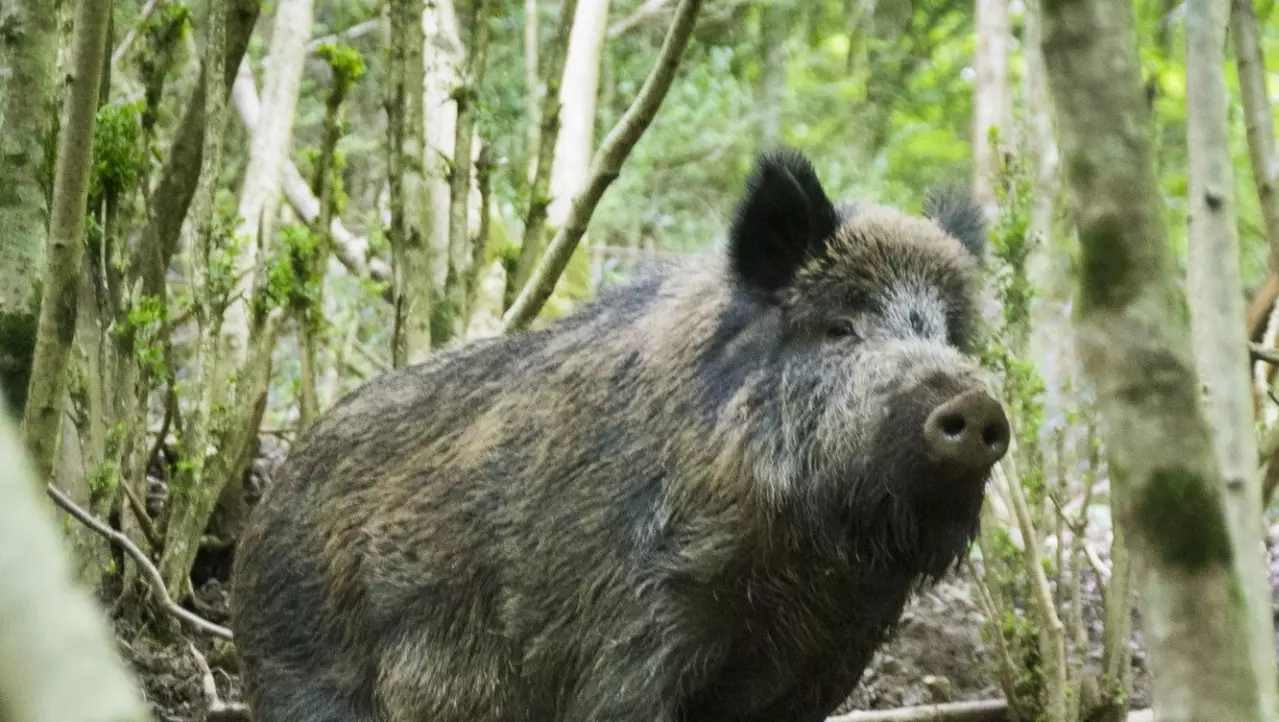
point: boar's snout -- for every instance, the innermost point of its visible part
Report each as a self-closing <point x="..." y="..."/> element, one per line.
<point x="969" y="432"/>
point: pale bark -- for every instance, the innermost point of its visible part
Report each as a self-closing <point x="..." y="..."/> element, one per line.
<point x="532" y="32"/>
<point x="60" y="295"/>
<point x="1259" y="125"/>
<point x="27" y="110"/>
<point x="605" y="168"/>
<point x="57" y="656"/>
<point x="1214" y="286"/>
<point x="992" y="104"/>
<point x="1136" y="349"/>
<point x="461" y="177"/>
<point x="774" y="30"/>
<point x="533" y="240"/>
<point x="570" y="169"/>
<point x="272" y="138"/>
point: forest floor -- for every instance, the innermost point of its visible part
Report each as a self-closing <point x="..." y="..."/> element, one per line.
<point x="938" y="654"/>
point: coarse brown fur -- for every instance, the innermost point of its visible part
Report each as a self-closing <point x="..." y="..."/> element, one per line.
<point x="702" y="497"/>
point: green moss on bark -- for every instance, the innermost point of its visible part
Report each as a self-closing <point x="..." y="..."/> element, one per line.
<point x="17" y="344"/>
<point x="1184" y="520"/>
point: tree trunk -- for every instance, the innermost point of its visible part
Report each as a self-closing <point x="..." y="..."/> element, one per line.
<point x="189" y="494"/>
<point x="409" y="230"/>
<point x="534" y="236"/>
<point x="260" y="194"/>
<point x="579" y="90"/>
<point x="466" y="101"/>
<point x="605" y="168"/>
<point x="27" y="111"/>
<point x="1259" y="124"/>
<point x="171" y="198"/>
<point x="1215" y="291"/>
<point x="774" y="29"/>
<point x="532" y="81"/>
<point x="1136" y="349"/>
<point x="60" y="296"/>
<point x="58" y="660"/>
<point x="992" y="104"/>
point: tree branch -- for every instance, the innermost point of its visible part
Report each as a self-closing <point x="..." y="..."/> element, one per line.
<point x="605" y="169"/>
<point x="148" y="569"/>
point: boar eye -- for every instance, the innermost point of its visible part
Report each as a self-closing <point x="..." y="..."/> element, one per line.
<point x="841" y="329"/>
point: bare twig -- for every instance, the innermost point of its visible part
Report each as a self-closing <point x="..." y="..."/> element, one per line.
<point x="647" y="11"/>
<point x="218" y="710"/>
<point x="1099" y="565"/>
<point x="1261" y="353"/>
<point x="148" y="569"/>
<point x="350" y="33"/>
<point x="605" y="168"/>
<point x="132" y="35"/>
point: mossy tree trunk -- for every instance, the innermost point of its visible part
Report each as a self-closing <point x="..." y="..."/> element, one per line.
<point x="408" y="232"/>
<point x="235" y="368"/>
<point x="60" y="295"/>
<point x="1215" y="288"/>
<point x="1136" y="349"/>
<point x="28" y="52"/>
<point x="461" y="177"/>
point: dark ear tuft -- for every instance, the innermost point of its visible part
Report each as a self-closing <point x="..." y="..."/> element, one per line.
<point x="784" y="219"/>
<point x="955" y="211"/>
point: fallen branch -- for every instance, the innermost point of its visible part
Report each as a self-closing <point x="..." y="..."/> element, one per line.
<point x="993" y="710"/>
<point x="219" y="711"/>
<point x="148" y="569"/>
<point x="605" y="167"/>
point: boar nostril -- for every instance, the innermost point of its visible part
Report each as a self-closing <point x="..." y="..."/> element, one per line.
<point x="969" y="432"/>
<point x="952" y="425"/>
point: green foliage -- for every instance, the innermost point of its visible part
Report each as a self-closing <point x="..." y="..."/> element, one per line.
<point x="142" y="329"/>
<point x="346" y="63"/>
<point x="119" y="157"/>
<point x="293" y="278"/>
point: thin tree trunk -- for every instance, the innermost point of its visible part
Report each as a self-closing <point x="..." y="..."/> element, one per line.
<point x="171" y="198"/>
<point x="605" y="169"/>
<point x="56" y="329"/>
<point x="466" y="100"/>
<point x="188" y="494"/>
<point x="532" y="33"/>
<point x="272" y="138"/>
<point x="1215" y="292"/>
<point x="1136" y="349"/>
<point x="992" y="104"/>
<point x="27" y="111"/>
<point x="532" y="244"/>
<point x="408" y="231"/>
<point x="570" y="169"/>
<point x="774" y="29"/>
<point x="1259" y="124"/>
<point x="58" y="660"/>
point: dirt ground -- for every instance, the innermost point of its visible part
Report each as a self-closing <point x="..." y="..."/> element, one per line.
<point x="937" y="654"/>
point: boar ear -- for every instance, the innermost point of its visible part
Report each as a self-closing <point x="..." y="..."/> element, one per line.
<point x="955" y="212"/>
<point x="784" y="219"/>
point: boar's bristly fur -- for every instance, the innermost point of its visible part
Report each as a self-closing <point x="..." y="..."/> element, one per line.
<point x="704" y="497"/>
